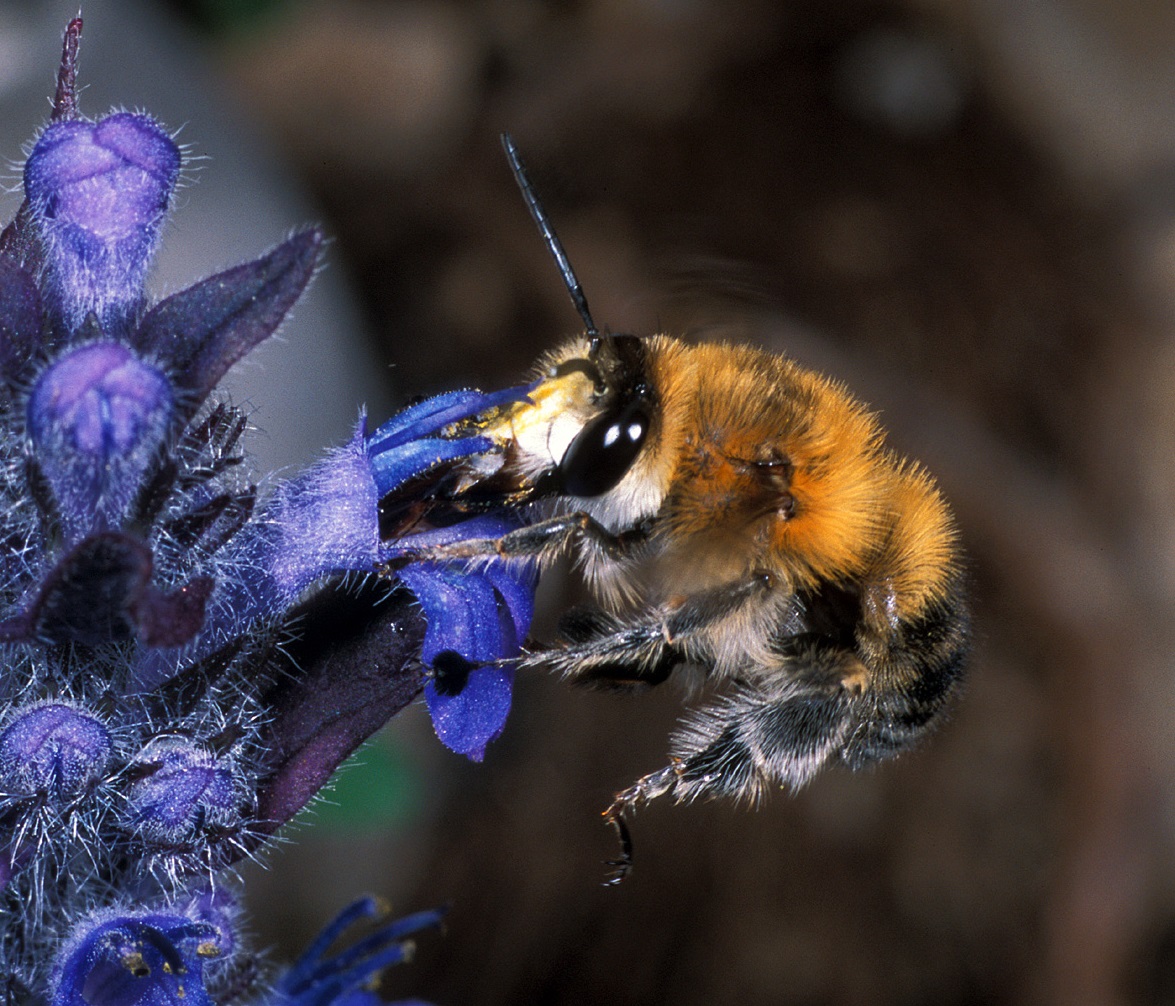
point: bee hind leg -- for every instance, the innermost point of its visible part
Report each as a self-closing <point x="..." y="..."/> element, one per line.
<point x="780" y="733"/>
<point x="644" y="789"/>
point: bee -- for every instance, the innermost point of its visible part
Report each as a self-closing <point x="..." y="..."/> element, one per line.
<point x="738" y="515"/>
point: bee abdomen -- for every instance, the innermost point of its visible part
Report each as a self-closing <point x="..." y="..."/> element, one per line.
<point x="914" y="684"/>
<point x="827" y="707"/>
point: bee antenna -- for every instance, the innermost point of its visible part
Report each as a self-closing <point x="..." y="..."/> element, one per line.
<point x="554" y="245"/>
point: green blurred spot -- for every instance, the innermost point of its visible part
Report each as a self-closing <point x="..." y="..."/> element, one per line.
<point x="379" y="786"/>
<point x="225" y="17"/>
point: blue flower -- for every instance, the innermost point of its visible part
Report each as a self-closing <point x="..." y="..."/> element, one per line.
<point x="320" y="979"/>
<point x="182" y="671"/>
<point x="136" y="959"/>
<point x="477" y="617"/>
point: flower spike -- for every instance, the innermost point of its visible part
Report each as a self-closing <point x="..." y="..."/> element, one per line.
<point x="190" y="651"/>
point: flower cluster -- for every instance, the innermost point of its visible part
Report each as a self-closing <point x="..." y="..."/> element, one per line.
<point x="152" y="730"/>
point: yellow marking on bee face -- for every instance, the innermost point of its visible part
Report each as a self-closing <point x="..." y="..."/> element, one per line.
<point x="544" y="426"/>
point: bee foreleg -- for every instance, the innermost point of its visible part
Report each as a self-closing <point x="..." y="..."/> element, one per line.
<point x="543" y="541"/>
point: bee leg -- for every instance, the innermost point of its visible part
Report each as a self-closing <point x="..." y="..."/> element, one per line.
<point x="599" y="648"/>
<point x="542" y="541"/>
<point x="610" y="649"/>
<point x="622" y="867"/>
<point x="780" y="732"/>
<point x="645" y="788"/>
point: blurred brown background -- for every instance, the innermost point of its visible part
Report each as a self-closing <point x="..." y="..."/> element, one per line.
<point x="964" y="208"/>
<point x="967" y="211"/>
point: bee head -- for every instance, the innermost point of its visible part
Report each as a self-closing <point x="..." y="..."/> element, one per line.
<point x="587" y="416"/>
<point x="620" y="412"/>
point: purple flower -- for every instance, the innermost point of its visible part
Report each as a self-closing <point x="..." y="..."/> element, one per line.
<point x="476" y="616"/>
<point x="96" y="418"/>
<point x="186" y="803"/>
<point x="136" y="959"/>
<point x="99" y="192"/>
<point x="182" y="673"/>
<point x="52" y="751"/>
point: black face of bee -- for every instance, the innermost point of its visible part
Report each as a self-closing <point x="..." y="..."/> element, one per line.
<point x="603" y="451"/>
<point x="601" y="455"/>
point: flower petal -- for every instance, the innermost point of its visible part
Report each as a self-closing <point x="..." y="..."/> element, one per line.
<point x="470" y="623"/>
<point x="434" y="414"/>
<point x="392" y="468"/>
<point x="469" y="720"/>
<point x="135" y="959"/>
<point x="203" y="330"/>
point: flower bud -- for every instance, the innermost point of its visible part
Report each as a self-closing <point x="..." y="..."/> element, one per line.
<point x="96" y="418"/>
<point x="53" y="750"/>
<point x="182" y="792"/>
<point x="98" y="192"/>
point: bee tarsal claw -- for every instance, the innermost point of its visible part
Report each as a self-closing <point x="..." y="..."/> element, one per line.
<point x="622" y="867"/>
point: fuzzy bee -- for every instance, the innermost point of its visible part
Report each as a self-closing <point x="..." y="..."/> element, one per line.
<point x="739" y="515"/>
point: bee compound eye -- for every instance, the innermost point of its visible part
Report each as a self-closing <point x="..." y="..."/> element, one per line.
<point x="605" y="449"/>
